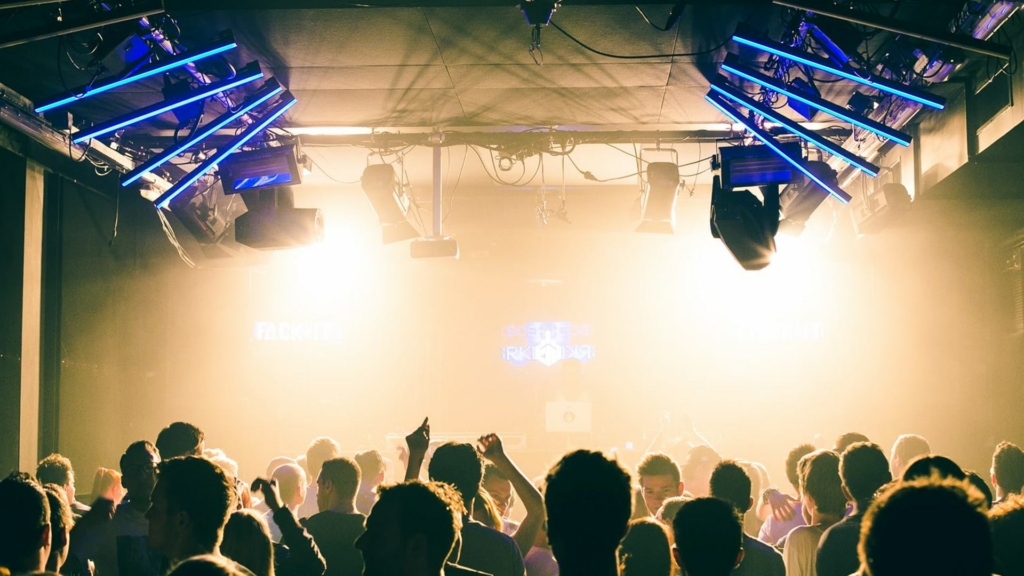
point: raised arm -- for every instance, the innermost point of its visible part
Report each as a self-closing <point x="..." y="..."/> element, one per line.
<point x="490" y="448"/>
<point x="304" y="555"/>
<point x="418" y="442"/>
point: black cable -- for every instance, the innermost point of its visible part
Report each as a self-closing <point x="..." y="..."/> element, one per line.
<point x="590" y="176"/>
<point x="638" y="57"/>
<point x="648" y="20"/>
<point x="117" y="216"/>
<point x="451" y="199"/>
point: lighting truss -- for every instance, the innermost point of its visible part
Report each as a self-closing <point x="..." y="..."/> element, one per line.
<point x="733" y="66"/>
<point x="225" y="43"/>
<point x="718" y="102"/>
<point x="899" y="27"/>
<point x="71" y="26"/>
<point x="270" y="89"/>
<point x="721" y="85"/>
<point x="279" y="108"/>
<point x="825" y="65"/>
<point x="244" y="76"/>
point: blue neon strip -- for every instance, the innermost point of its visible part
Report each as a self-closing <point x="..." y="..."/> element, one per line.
<point x="827" y="107"/>
<point x="209" y="129"/>
<point x="97" y="89"/>
<point x="891" y="87"/>
<point x="182" y="185"/>
<point x="731" y="112"/>
<point x="205" y="93"/>
<point x="823" y="143"/>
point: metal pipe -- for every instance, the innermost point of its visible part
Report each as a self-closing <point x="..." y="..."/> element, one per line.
<point x="437" y="193"/>
<point x="905" y="28"/>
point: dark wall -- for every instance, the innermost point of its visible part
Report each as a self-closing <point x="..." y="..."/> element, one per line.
<point x="12" y="263"/>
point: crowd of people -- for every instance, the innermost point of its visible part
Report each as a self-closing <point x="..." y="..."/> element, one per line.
<point x="179" y="508"/>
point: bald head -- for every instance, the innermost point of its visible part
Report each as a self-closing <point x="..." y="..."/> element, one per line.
<point x="291" y="481"/>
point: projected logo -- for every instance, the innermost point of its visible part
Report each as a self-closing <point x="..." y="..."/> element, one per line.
<point x="548" y="343"/>
<point x="297" y="331"/>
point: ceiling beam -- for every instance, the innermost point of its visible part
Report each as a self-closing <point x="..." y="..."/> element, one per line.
<point x="204" y="5"/>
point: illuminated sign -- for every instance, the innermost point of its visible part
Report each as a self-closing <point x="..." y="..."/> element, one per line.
<point x="548" y="343"/>
<point x="297" y="331"/>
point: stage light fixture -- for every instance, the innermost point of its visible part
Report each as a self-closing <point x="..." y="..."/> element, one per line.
<point x="247" y="74"/>
<point x="384" y="191"/>
<point x="746" y="224"/>
<point x="900" y="27"/>
<point x="800" y="199"/>
<point x="794" y="160"/>
<point x="262" y="168"/>
<point x="270" y="89"/>
<point x="722" y="85"/>
<point x="279" y="108"/>
<point x="658" y="208"/>
<point x="70" y="26"/>
<point x="272" y="221"/>
<point x="733" y="66"/>
<point x="880" y="207"/>
<point x="825" y="65"/>
<point x="743" y="166"/>
<point x="223" y="44"/>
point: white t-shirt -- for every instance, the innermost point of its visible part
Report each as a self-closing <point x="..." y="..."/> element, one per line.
<point x="801" y="550"/>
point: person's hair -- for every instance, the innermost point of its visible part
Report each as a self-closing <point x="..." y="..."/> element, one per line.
<point x="371" y="464"/>
<point x="820" y="481"/>
<point x="492" y="472"/>
<point x="320" y="450"/>
<point x="696" y="458"/>
<point x="60" y="510"/>
<point x="431" y="509"/>
<point x="105" y="479"/>
<point x="910" y="446"/>
<point x="199" y="488"/>
<point x="928" y="466"/>
<point x="1007" y="520"/>
<point x="280" y="461"/>
<point x="137" y="451"/>
<point x="247" y="541"/>
<point x="730" y="482"/>
<point x="708" y="536"/>
<point x="290" y="480"/>
<point x="218" y="457"/>
<point x="486" y="511"/>
<point x="24" y="514"/>
<point x="658" y="464"/>
<point x="847" y="439"/>
<point x="180" y="439"/>
<point x="589" y="501"/>
<point x="209" y="565"/>
<point x="670" y="507"/>
<point x="460" y="465"/>
<point x="54" y="469"/>
<point x="864" y="469"/>
<point x="927" y="526"/>
<point x="644" y="551"/>
<point x="344" y="475"/>
<point x="793" y="460"/>
<point x="978" y="482"/>
<point x="1008" y="467"/>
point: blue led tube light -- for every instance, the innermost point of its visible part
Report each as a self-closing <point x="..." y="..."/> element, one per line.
<point x="282" y="106"/>
<point x="268" y="91"/>
<point x="244" y="76"/>
<point x="723" y="87"/>
<point x="225" y="43"/>
<point x="733" y="66"/>
<point x="825" y="65"/>
<point x="723" y="106"/>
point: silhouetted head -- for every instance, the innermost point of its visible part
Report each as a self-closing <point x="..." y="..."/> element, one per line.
<point x="709" y="537"/>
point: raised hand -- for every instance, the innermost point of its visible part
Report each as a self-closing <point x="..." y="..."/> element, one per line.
<point x="490" y="447"/>
<point x="782" y="505"/>
<point x="271" y="494"/>
<point x="419" y="440"/>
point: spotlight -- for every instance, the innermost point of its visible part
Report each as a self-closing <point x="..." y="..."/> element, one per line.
<point x="380" y="183"/>
<point x="800" y="199"/>
<point x="658" y="207"/>
<point x="538" y="12"/>
<point x="262" y="168"/>
<point x="745" y="224"/>
<point x="274" y="223"/>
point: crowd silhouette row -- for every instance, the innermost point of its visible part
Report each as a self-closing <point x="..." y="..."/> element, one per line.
<point x="176" y="507"/>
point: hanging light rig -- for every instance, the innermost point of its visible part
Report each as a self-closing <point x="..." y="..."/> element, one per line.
<point x="538" y="15"/>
